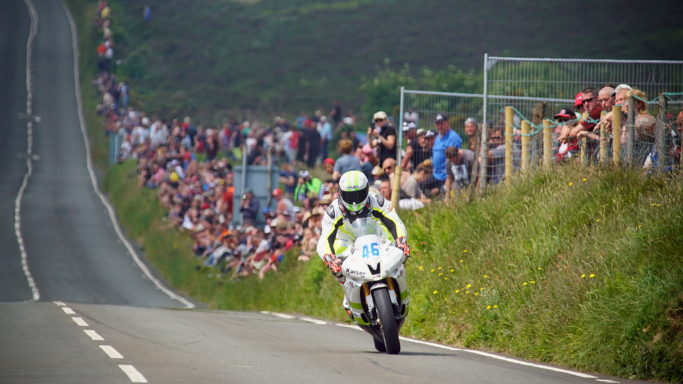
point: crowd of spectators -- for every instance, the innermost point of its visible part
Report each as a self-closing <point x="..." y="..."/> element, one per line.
<point x="190" y="166"/>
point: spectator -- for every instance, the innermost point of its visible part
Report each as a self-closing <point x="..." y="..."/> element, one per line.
<point x="644" y="128"/>
<point x="307" y="187"/>
<point x="592" y="110"/>
<point x="472" y="134"/>
<point x="446" y="138"/>
<point x="411" y="186"/>
<point x="328" y="166"/>
<point x="147" y="14"/>
<point x="382" y="135"/>
<point x="250" y="208"/>
<point x="458" y="168"/>
<point x="325" y="131"/>
<point x="347" y="161"/>
<point x="410" y="116"/>
<point x="336" y="115"/>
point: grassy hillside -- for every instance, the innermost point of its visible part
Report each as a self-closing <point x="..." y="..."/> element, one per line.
<point x="235" y="57"/>
<point x="582" y="268"/>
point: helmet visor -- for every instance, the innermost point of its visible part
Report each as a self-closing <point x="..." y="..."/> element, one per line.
<point x="354" y="199"/>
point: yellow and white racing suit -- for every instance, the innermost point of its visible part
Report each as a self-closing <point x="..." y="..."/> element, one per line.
<point x="340" y="230"/>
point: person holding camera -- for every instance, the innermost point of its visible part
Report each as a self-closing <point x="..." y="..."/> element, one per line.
<point x="382" y="136"/>
<point x="249" y="207"/>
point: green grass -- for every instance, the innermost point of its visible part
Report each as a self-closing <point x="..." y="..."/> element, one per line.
<point x="265" y="57"/>
<point x="577" y="267"/>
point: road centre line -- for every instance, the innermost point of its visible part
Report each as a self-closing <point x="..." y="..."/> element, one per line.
<point x="133" y="374"/>
<point x="93" y="335"/>
<point x="79" y="321"/>
<point x="59" y="303"/>
<point x="111" y="352"/>
<point x="68" y="311"/>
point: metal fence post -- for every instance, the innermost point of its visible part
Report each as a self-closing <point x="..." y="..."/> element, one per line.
<point x="484" y="128"/>
<point x="509" y="165"/>
<point x="396" y="187"/>
<point x="630" y="130"/>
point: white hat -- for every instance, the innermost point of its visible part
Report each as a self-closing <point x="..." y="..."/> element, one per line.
<point x="379" y="115"/>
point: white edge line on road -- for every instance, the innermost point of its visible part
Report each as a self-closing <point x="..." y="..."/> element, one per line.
<point x="93" y="179"/>
<point x="29" y="153"/>
<point x="93" y="335"/>
<point x="435" y="345"/>
<point x="607" y="381"/>
<point x="59" y="303"/>
<point x="314" y="321"/>
<point x="68" y="311"/>
<point x="111" y="352"/>
<point x="79" y="321"/>
<point x="133" y="374"/>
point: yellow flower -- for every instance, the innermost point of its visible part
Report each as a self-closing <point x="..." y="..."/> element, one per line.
<point x="583" y="275"/>
<point x="464" y="251"/>
<point x="435" y="292"/>
<point x="468" y="286"/>
<point x="420" y="268"/>
<point x="488" y="307"/>
<point x="467" y="292"/>
<point x="584" y="179"/>
<point x="570" y="183"/>
<point x="495" y="306"/>
<point x="476" y="293"/>
<point x="539" y="268"/>
<point x="481" y="289"/>
<point x="457" y="291"/>
<point x="525" y="283"/>
<point x="461" y="260"/>
<point x="486" y="276"/>
<point x="439" y="268"/>
<point x="440" y="274"/>
<point x="445" y="278"/>
<point x="432" y="270"/>
<point x="656" y="205"/>
<point x="592" y="275"/>
<point x="532" y="282"/>
<point x="452" y="270"/>
<point x="598" y="220"/>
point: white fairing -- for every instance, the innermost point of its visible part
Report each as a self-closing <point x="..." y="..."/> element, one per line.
<point x="372" y="258"/>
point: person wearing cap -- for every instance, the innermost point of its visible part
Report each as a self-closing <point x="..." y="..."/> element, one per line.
<point x="591" y="110"/>
<point x="328" y="166"/>
<point x="307" y="186"/>
<point x="446" y="138"/>
<point x="346" y="162"/>
<point x="382" y="135"/>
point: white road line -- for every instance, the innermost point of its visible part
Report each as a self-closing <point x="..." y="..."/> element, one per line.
<point x="283" y="316"/>
<point x="79" y="321"/>
<point x="59" y="303"/>
<point x="29" y="153"/>
<point x="111" y="352"/>
<point x="93" y="335"/>
<point x="133" y="374"/>
<point x="314" y="321"/>
<point x="68" y="311"/>
<point x="607" y="381"/>
<point x="93" y="179"/>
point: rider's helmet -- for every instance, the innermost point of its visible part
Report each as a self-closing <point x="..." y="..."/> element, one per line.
<point x="353" y="191"/>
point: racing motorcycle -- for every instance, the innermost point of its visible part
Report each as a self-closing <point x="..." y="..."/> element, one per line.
<point x="376" y="289"/>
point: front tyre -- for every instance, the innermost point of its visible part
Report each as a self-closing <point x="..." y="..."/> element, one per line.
<point x="387" y="321"/>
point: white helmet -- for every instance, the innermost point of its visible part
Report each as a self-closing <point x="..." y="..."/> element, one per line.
<point x="353" y="191"/>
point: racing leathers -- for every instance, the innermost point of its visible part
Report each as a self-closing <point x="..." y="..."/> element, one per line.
<point x="340" y="229"/>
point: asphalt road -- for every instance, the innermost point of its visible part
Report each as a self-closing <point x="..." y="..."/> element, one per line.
<point x="76" y="308"/>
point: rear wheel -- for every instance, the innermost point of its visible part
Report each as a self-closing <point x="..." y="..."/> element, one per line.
<point x="385" y="312"/>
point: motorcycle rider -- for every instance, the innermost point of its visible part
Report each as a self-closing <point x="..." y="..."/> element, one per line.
<point x="357" y="212"/>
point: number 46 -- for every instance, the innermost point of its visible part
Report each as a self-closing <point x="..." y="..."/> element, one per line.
<point x="374" y="248"/>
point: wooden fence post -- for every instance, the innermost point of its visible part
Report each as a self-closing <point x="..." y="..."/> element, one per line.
<point x="603" y="143"/>
<point x="509" y="165"/>
<point x="616" y="135"/>
<point x="526" y="140"/>
<point x="660" y="135"/>
<point x="547" y="144"/>
<point x="583" y="151"/>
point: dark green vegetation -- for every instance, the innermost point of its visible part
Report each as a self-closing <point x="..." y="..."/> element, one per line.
<point x="212" y="59"/>
<point x="582" y="268"/>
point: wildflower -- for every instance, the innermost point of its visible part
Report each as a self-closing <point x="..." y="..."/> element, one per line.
<point x="525" y="283"/>
<point x="452" y="270"/>
<point x="656" y="205"/>
<point x="481" y="289"/>
<point x="592" y="275"/>
<point x="598" y="220"/>
<point x="420" y="268"/>
<point x="495" y="306"/>
<point x="435" y="292"/>
<point x="532" y="282"/>
<point x="464" y="251"/>
<point x="476" y="293"/>
<point x="439" y="268"/>
<point x="584" y="179"/>
<point x="461" y="260"/>
<point x="445" y="278"/>
<point x="570" y="183"/>
<point x="539" y="268"/>
<point x="432" y="270"/>
<point x="467" y="292"/>
<point x="488" y="307"/>
<point x="469" y="286"/>
<point x="583" y="275"/>
<point x="440" y="274"/>
<point x="486" y="276"/>
<point x="457" y="291"/>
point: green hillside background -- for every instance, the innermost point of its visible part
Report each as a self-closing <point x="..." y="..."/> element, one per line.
<point x="240" y="58"/>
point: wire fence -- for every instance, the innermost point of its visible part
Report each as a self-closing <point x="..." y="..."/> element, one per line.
<point x="523" y="98"/>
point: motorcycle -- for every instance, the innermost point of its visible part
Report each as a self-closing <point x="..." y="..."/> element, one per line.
<point x="376" y="289"/>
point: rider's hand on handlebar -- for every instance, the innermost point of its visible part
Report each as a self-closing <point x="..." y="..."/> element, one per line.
<point x="334" y="264"/>
<point x="403" y="245"/>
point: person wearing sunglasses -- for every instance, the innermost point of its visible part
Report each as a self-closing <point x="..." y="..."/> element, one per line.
<point x="591" y="109"/>
<point x="382" y="136"/>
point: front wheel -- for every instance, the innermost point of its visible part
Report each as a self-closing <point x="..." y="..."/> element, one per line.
<point x="387" y="321"/>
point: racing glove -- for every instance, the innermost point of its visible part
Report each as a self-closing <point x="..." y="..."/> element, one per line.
<point x="334" y="264"/>
<point x="403" y="245"/>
